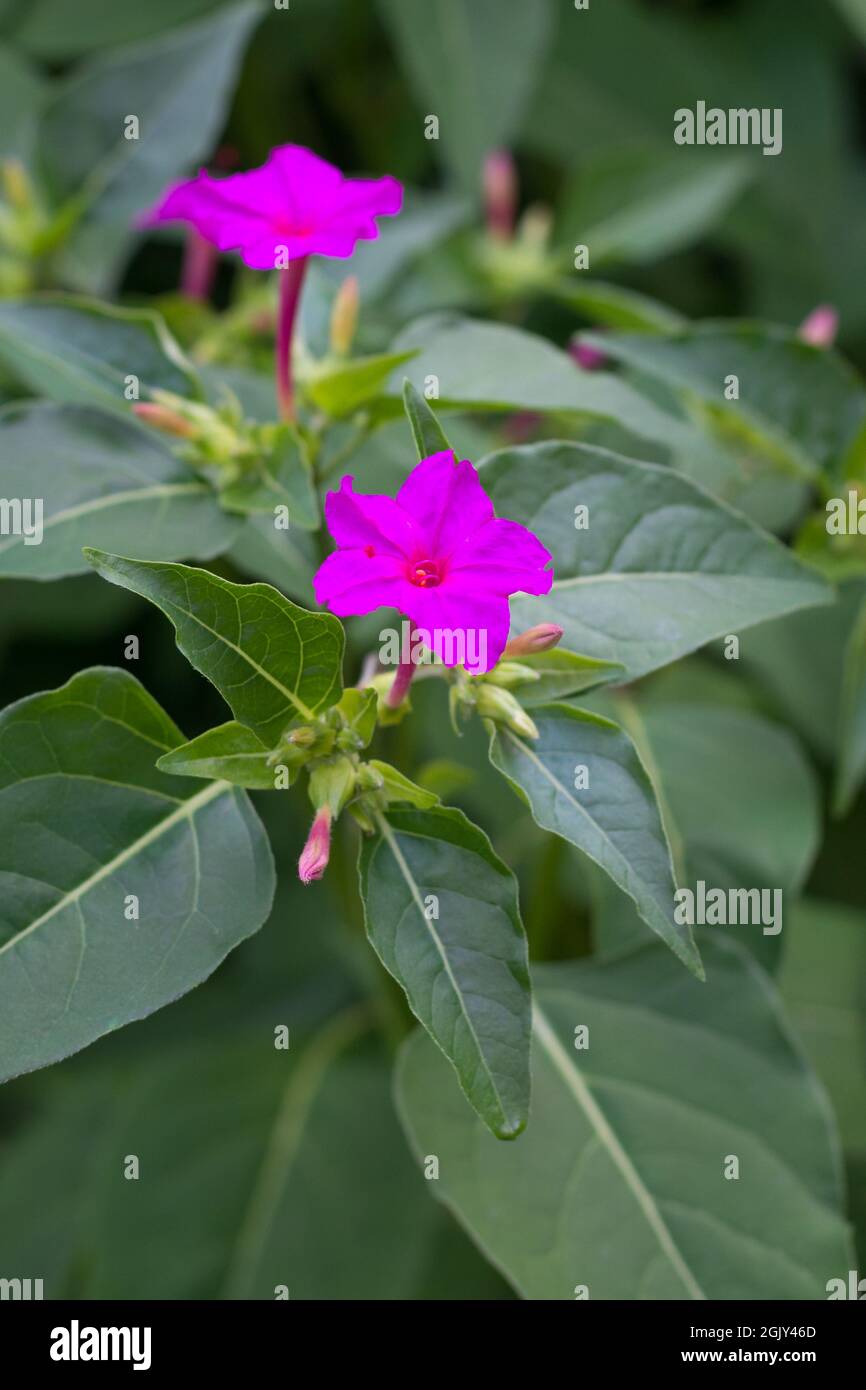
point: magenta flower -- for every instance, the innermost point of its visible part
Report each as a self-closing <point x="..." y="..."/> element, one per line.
<point x="296" y="202"/>
<point x="438" y="554"/>
<point x="295" y="206"/>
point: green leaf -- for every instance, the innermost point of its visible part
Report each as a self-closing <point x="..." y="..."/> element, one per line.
<point x="342" y="387"/>
<point x="619" y="1182"/>
<point x="777" y="375"/>
<point x="821" y="984"/>
<point x="286" y="558"/>
<point x="101" y="480"/>
<point x="359" y="707"/>
<point x="279" y="477"/>
<point x="231" y="752"/>
<point x="851" y="762"/>
<point x="49" y="29"/>
<point x="87" y="826"/>
<point x="473" y="71"/>
<point x="271" y="661"/>
<point x="427" y="432"/>
<point x="487" y="366"/>
<point x="760" y="828"/>
<point x="560" y="673"/>
<point x="178" y="86"/>
<point x="614" y="306"/>
<point x="21" y="94"/>
<point x="661" y="569"/>
<point x="441" y="912"/>
<point x="398" y="788"/>
<point x="73" y="349"/>
<point x="634" y="206"/>
<point x="614" y="819"/>
<point x="252" y="1123"/>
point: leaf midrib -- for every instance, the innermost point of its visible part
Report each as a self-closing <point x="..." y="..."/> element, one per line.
<point x="390" y="839"/>
<point x="571" y="1077"/>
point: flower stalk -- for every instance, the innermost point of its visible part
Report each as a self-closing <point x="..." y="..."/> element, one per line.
<point x="291" y="283"/>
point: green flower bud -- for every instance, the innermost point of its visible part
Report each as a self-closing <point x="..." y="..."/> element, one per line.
<point x="511" y="673"/>
<point x="501" y="706"/>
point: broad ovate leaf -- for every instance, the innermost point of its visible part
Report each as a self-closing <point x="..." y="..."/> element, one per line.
<point x="101" y="480"/>
<point x="643" y="1095"/>
<point x="271" y="661"/>
<point x="583" y="780"/>
<point x="647" y="565"/>
<point x="122" y="887"/>
<point x="441" y="912"/>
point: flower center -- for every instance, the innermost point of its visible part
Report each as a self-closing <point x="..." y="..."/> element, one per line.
<point x="287" y="227"/>
<point x="426" y="575"/>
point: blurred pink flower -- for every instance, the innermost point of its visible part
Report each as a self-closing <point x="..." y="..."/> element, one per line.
<point x="296" y="204"/>
<point x="820" y="327"/>
<point x="589" y="358"/>
<point x="437" y="553"/>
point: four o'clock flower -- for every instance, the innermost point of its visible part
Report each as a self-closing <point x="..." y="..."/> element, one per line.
<point x="438" y="554"/>
<point x="293" y="207"/>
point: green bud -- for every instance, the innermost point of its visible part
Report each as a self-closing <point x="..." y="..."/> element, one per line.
<point x="511" y="673"/>
<point x="501" y="706"/>
<point x="332" y="782"/>
<point x="369" y="778"/>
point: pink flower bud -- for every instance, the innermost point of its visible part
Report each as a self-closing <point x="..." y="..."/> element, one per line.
<point x="314" y="856"/>
<point x="535" y="639"/>
<point x="161" y="418"/>
<point x="500" y="194"/>
<point x="819" y="328"/>
<point x="588" y="358"/>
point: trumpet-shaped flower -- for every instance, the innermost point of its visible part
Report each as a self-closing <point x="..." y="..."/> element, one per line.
<point x="438" y="554"/>
<point x="295" y="205"/>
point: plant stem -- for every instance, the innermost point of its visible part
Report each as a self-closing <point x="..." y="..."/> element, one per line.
<point x="199" y="265"/>
<point x="291" y="281"/>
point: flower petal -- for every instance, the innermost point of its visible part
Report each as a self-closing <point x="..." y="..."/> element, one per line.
<point x="351" y="582"/>
<point x="463" y="627"/>
<point x="503" y="557"/>
<point x="358" y="519"/>
<point x="446" y="500"/>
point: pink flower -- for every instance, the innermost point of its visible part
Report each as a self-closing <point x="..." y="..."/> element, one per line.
<point x="438" y="554"/>
<point x="587" y="357"/>
<point x="316" y="852"/>
<point x="295" y="206"/>
<point x="295" y="201"/>
<point x="819" y="328"/>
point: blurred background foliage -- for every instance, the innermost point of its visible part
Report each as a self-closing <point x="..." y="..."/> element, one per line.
<point x="264" y="1172"/>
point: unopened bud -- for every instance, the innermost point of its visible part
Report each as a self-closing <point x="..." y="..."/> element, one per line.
<point x="17" y="188"/>
<point x="510" y="673"/>
<point x="344" y="316"/>
<point x="535" y="639"/>
<point x="369" y="778"/>
<point x="588" y="358"/>
<point x="314" y="856"/>
<point x="819" y="328"/>
<point x="500" y="705"/>
<point x="500" y="194"/>
<point x="303" y="737"/>
<point x="536" y="225"/>
<point x="160" y="417"/>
